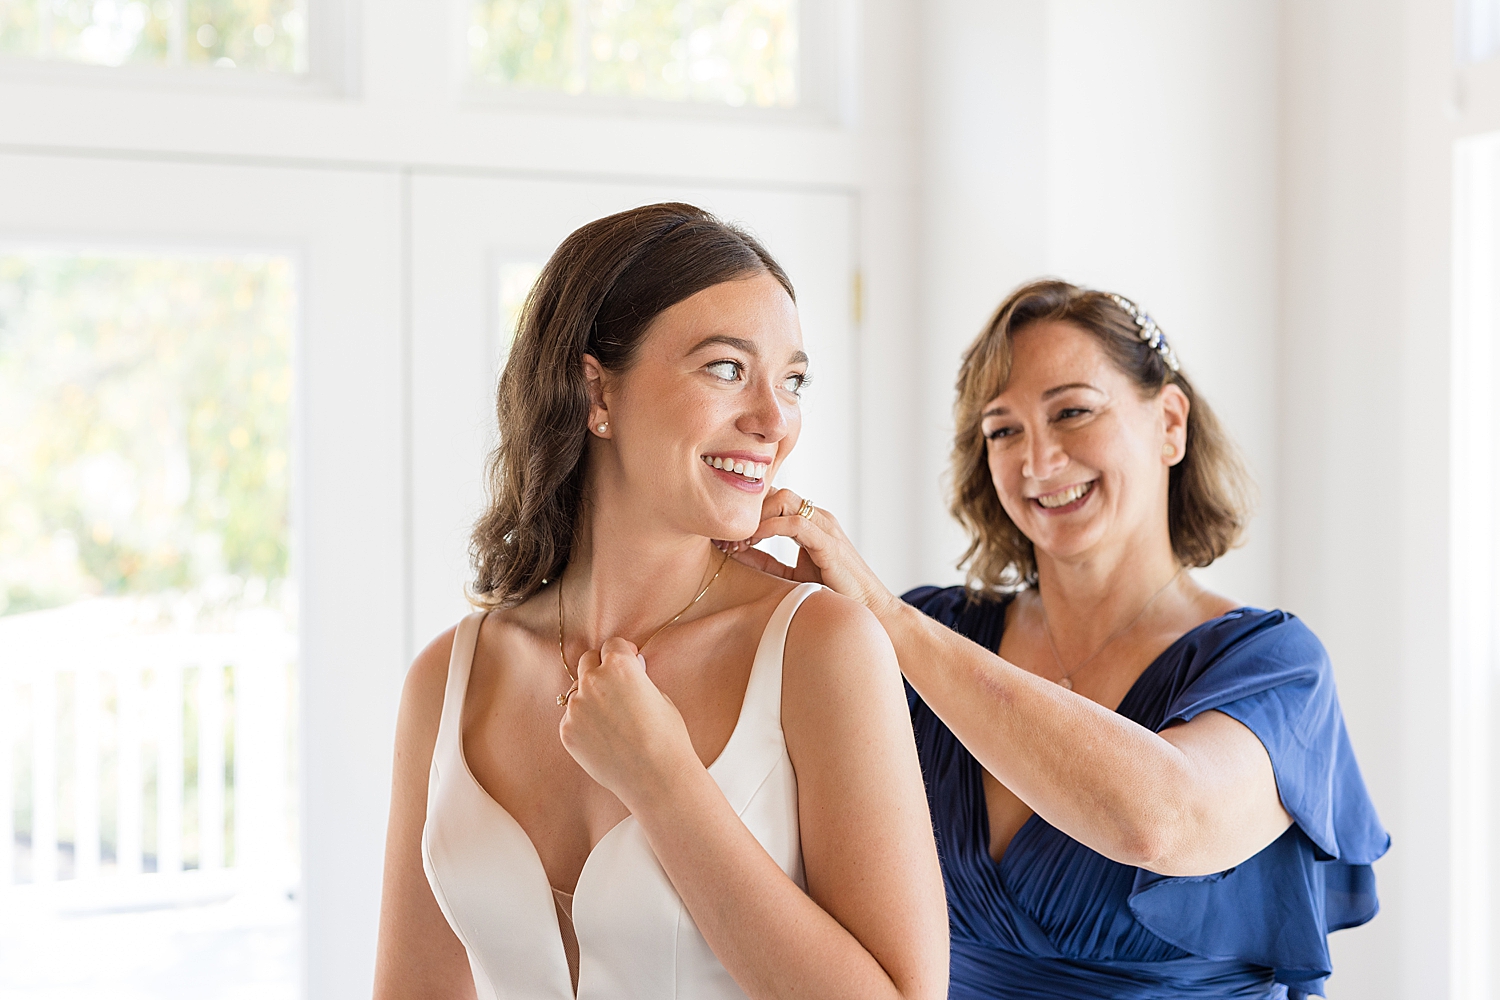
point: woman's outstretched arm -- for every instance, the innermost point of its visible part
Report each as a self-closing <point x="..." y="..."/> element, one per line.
<point x="873" y="922"/>
<point x="1195" y="799"/>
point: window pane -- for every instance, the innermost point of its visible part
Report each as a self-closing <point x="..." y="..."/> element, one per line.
<point x="736" y="52"/>
<point x="246" y="34"/>
<point x="1477" y="27"/>
<point x="147" y="627"/>
<point x="515" y="279"/>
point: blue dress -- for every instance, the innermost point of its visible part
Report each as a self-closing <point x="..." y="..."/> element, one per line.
<point x="1054" y="920"/>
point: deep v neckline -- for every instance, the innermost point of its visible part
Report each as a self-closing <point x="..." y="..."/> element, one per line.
<point x="1027" y="825"/>
<point x="534" y="856"/>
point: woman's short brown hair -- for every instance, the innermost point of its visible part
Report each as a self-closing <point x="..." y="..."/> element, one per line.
<point x="1208" y="492"/>
<point x="596" y="295"/>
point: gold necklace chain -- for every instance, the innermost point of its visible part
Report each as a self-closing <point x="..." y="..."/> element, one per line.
<point x="1066" y="680"/>
<point x="562" y="699"/>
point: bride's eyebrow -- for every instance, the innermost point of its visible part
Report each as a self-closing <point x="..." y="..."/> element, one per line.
<point x="741" y="344"/>
<point x="738" y="343"/>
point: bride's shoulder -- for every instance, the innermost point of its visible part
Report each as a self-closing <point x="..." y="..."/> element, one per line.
<point x="834" y="634"/>
<point x="427" y="678"/>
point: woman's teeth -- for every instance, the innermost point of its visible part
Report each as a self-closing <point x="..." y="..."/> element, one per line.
<point x="754" y="471"/>
<point x="1064" y="497"/>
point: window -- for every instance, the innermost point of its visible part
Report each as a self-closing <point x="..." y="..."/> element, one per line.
<point x="1474" y="566"/>
<point x="147" y="626"/>
<point x="736" y="52"/>
<point x="514" y="279"/>
<point x="1477" y="30"/>
<point x="268" y="35"/>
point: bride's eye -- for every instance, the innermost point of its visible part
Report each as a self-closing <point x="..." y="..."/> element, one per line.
<point x="728" y="371"/>
<point x="796" y="382"/>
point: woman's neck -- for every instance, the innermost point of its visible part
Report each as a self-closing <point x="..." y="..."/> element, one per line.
<point x="1089" y="599"/>
<point x="625" y="579"/>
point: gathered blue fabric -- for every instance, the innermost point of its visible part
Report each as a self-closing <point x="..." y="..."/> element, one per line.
<point x="1054" y="920"/>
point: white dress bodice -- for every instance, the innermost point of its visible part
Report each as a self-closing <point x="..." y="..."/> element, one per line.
<point x="635" y="937"/>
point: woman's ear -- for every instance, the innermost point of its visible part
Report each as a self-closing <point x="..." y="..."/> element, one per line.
<point x="1174" y="412"/>
<point x="593" y="376"/>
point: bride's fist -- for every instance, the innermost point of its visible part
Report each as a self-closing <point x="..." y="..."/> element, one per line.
<point x="620" y="728"/>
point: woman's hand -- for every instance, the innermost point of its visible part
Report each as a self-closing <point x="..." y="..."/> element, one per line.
<point x="827" y="556"/>
<point x="621" y="729"/>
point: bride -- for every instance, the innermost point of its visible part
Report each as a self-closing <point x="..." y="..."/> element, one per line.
<point x="643" y="770"/>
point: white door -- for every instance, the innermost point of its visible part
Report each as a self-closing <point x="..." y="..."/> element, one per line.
<point x="306" y="770"/>
<point x="477" y="242"/>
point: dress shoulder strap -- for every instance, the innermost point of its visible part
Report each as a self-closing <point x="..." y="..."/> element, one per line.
<point x="465" y="640"/>
<point x="757" y="741"/>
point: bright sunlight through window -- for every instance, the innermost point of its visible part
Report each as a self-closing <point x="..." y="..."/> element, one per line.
<point x="148" y="617"/>
<point x="736" y="52"/>
<point x="268" y="35"/>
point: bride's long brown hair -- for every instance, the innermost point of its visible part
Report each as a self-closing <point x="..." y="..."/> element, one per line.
<point x="597" y="295"/>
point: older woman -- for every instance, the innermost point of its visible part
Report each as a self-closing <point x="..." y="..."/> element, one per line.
<point x="1140" y="788"/>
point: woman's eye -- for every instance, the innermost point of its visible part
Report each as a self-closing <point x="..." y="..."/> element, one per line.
<point x="996" y="433"/>
<point x="1070" y="412"/>
<point x="796" y="382"/>
<point x="728" y="371"/>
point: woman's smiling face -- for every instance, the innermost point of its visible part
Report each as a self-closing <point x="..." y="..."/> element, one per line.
<point x="710" y="408"/>
<point x="1078" y="458"/>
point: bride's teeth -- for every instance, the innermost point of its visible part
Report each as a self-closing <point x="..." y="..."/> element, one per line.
<point x="750" y="470"/>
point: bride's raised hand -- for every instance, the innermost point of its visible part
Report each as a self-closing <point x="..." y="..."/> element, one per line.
<point x="826" y="555"/>
<point x="621" y="729"/>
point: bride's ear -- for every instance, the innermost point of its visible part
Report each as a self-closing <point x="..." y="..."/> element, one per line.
<point x="594" y="379"/>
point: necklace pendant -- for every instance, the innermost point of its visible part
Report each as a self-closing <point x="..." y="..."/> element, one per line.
<point x="1067" y="682"/>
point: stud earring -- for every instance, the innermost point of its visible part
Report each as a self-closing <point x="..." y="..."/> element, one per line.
<point x="603" y="427"/>
<point x="1168" y="451"/>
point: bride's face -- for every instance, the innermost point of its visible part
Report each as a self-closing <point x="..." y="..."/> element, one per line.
<point x="699" y="424"/>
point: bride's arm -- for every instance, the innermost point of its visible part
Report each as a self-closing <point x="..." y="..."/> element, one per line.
<point x="873" y="923"/>
<point x="418" y="954"/>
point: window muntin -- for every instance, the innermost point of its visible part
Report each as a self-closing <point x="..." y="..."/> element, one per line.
<point x="735" y="52"/>
<point x="265" y="35"/>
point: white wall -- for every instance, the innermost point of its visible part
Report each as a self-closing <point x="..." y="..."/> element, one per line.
<point x="1372" y="104"/>
<point x="1272" y="182"/>
<point x="1125" y="146"/>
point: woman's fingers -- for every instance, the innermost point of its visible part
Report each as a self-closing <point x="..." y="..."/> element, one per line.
<point x="618" y="651"/>
<point x="827" y="555"/>
<point x="758" y="559"/>
<point x="619" y="726"/>
<point x="780" y="503"/>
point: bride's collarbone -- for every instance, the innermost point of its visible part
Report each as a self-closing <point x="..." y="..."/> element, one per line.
<point x="510" y="720"/>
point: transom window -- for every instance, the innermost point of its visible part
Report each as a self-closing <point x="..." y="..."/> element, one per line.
<point x="268" y="35"/>
<point x="736" y="52"/>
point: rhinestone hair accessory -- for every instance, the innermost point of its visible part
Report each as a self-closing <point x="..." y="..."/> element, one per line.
<point x="1150" y="333"/>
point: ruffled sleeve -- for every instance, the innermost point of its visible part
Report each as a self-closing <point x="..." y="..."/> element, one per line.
<point x="1269" y="672"/>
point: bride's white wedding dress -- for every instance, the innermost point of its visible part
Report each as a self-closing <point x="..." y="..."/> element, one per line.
<point x="635" y="937"/>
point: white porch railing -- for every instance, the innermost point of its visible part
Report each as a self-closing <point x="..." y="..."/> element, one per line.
<point x="142" y="766"/>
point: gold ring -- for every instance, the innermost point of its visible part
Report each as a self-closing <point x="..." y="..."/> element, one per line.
<point x="806" y="510"/>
